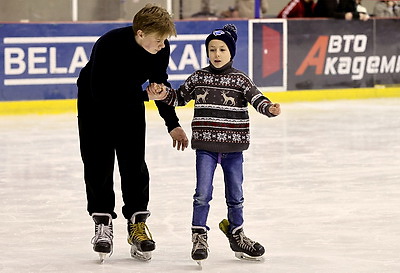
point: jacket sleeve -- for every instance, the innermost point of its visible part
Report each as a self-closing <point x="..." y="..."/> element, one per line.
<point x="290" y="11"/>
<point x="160" y="75"/>
<point x="169" y="115"/>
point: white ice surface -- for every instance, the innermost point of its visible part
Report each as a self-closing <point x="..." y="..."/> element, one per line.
<point x="322" y="194"/>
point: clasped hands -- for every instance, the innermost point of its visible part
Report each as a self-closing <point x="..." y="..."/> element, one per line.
<point x="156" y="91"/>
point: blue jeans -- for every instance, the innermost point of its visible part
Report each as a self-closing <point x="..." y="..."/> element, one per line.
<point x="232" y="166"/>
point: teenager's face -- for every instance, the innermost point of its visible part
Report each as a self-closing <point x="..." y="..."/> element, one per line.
<point x="151" y="42"/>
<point x="218" y="53"/>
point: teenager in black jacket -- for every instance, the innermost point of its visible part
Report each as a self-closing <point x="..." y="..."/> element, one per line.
<point x="111" y="118"/>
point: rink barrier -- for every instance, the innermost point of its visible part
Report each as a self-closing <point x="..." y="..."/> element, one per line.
<point x="69" y="105"/>
<point x="42" y="61"/>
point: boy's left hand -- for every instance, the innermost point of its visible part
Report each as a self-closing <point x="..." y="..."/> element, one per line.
<point x="275" y="109"/>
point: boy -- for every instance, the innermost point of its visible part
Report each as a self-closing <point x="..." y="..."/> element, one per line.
<point x="111" y="119"/>
<point x="220" y="133"/>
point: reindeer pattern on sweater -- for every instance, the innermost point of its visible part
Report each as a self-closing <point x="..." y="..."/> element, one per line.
<point x="221" y="120"/>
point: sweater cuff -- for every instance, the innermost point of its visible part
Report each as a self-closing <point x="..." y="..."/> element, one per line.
<point x="269" y="114"/>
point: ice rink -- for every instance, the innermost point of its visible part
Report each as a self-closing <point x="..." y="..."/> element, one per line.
<point x="322" y="194"/>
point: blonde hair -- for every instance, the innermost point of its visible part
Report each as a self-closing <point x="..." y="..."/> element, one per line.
<point x="154" y="19"/>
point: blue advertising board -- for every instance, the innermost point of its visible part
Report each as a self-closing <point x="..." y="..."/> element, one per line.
<point x="43" y="61"/>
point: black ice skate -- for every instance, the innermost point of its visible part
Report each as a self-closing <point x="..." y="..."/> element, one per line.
<point x="103" y="238"/>
<point x="139" y="236"/>
<point x="200" y="246"/>
<point x="244" y="247"/>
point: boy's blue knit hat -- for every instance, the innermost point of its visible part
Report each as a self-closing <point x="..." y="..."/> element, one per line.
<point x="227" y="34"/>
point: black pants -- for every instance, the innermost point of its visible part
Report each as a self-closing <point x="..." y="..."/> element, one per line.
<point x="103" y="137"/>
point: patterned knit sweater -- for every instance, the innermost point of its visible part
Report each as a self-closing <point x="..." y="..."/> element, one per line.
<point x="221" y="120"/>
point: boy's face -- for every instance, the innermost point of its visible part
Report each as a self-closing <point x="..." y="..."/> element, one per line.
<point x="151" y="42"/>
<point x="218" y="53"/>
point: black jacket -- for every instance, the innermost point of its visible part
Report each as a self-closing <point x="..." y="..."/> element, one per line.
<point x="333" y="9"/>
<point x="112" y="80"/>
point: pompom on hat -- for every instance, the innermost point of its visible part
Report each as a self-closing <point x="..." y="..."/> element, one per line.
<point x="227" y="34"/>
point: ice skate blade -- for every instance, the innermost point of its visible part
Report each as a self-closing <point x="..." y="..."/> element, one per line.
<point x="102" y="257"/>
<point x="139" y="255"/>
<point x="199" y="263"/>
<point x="245" y="257"/>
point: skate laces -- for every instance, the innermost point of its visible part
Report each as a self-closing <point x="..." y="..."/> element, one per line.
<point x="244" y="241"/>
<point x="103" y="234"/>
<point x="139" y="232"/>
<point x="200" y="241"/>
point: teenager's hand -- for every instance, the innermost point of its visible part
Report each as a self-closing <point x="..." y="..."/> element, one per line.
<point x="156" y="91"/>
<point x="180" y="140"/>
<point x="275" y="109"/>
